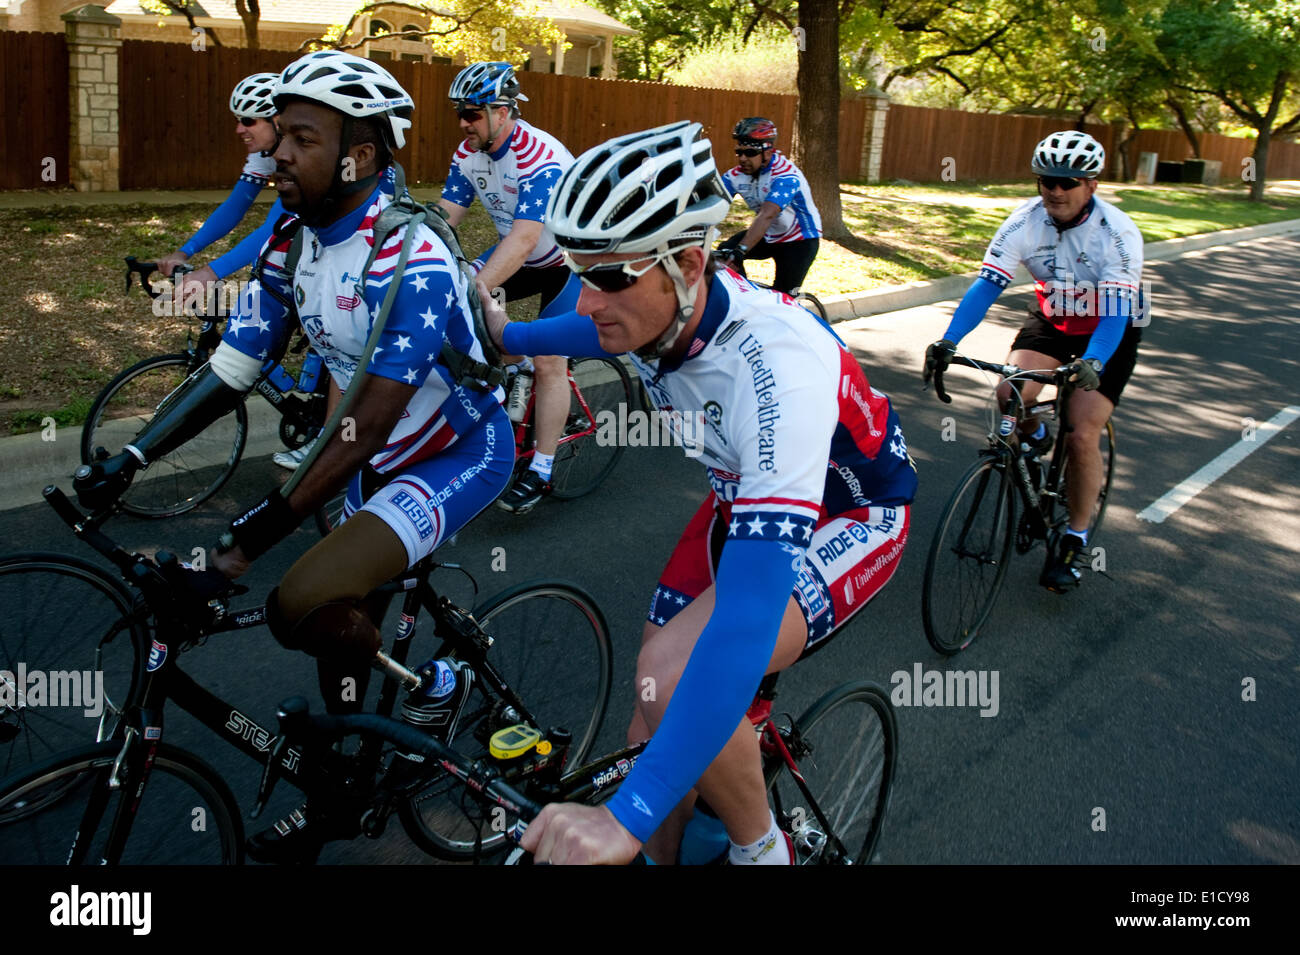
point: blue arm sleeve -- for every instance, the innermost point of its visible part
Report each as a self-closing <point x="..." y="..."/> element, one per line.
<point x="225" y="218"/>
<point x="974" y="305"/>
<point x="245" y="253"/>
<point x="1114" y="322"/>
<point x="572" y="335"/>
<point x="754" y="583"/>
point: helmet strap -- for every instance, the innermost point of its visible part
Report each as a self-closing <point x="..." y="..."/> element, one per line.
<point x="686" y="299"/>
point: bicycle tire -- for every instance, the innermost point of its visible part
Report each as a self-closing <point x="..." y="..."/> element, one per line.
<point x="435" y="818"/>
<point x="811" y="302"/>
<point x="857" y="814"/>
<point x="1108" y="460"/>
<point x="63" y="615"/>
<point x="188" y="476"/>
<point x="953" y="607"/>
<point x="184" y="805"/>
<point x="582" y="462"/>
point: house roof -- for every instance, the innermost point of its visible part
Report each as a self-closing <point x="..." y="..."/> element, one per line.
<point x="577" y="16"/>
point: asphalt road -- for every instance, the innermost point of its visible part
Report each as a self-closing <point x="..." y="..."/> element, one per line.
<point x="1125" y="696"/>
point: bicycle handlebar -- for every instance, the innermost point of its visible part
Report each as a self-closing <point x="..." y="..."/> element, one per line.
<point x="146" y="269"/>
<point x="1056" y="377"/>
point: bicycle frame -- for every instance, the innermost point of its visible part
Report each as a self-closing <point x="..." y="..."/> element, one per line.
<point x="524" y="448"/>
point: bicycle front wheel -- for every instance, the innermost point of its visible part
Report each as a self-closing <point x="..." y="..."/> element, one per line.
<point x="552" y="648"/>
<point x="187" y="814"/>
<point x="811" y="302"/>
<point x="846" y="748"/>
<point x="68" y="653"/>
<point x="589" y="449"/>
<point x="968" y="556"/>
<point x="185" y="478"/>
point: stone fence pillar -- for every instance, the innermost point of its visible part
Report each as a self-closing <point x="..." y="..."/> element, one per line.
<point x="93" y="48"/>
<point x="873" y="135"/>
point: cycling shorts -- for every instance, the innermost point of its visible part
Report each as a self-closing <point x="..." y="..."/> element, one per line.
<point x="557" y="286"/>
<point x="850" y="559"/>
<point x="1040" y="335"/>
<point x="430" y="500"/>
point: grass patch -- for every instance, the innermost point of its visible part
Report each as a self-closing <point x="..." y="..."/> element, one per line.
<point x="70" y="329"/>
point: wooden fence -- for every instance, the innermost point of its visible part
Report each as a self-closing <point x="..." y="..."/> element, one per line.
<point x="193" y="145"/>
<point x="34" y="87"/>
<point x="1283" y="157"/>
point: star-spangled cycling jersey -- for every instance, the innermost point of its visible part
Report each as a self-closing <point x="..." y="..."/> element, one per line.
<point x="1101" y="253"/>
<point x="258" y="169"/>
<point x="781" y="414"/>
<point x="513" y="182"/>
<point x="782" y="183"/>
<point x="430" y="305"/>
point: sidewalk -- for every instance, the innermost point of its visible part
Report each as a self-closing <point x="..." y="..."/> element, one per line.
<point x="28" y="462"/>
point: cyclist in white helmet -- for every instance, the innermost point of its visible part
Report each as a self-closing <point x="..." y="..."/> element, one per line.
<point x="1086" y="259"/>
<point x="811" y="487"/>
<point x="512" y="166"/>
<point x="423" y="454"/>
<point x="250" y="101"/>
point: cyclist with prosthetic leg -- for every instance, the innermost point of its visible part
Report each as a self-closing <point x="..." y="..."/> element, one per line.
<point x="1086" y="259"/>
<point x="425" y="451"/>
<point x="512" y="166"/>
<point x="811" y="486"/>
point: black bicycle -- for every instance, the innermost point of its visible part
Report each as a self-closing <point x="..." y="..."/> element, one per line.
<point x="972" y="544"/>
<point x="802" y="297"/>
<point x="540" y="653"/>
<point x="186" y="477"/>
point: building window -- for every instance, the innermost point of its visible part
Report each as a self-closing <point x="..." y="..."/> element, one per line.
<point x="412" y="28"/>
<point x="413" y="57"/>
<point x="444" y="60"/>
<point x="380" y="55"/>
<point x="379" y="26"/>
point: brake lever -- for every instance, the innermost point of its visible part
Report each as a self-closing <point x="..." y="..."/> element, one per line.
<point x="144" y="270"/>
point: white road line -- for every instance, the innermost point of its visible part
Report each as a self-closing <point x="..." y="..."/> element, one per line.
<point x="1177" y="496"/>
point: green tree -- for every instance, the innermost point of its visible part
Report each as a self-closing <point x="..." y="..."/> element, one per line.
<point x="1244" y="53"/>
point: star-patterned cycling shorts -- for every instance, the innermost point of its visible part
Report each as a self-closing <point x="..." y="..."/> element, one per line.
<point x="850" y="558"/>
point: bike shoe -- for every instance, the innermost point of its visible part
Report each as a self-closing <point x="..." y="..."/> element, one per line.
<point x="525" y="494"/>
<point x="291" y="459"/>
<point x="297" y="839"/>
<point x="1062" y="574"/>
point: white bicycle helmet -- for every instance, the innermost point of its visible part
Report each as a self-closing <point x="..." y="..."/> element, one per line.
<point x="656" y="191"/>
<point x="1069" y="153"/>
<point x="252" y="95"/>
<point x="351" y="85"/>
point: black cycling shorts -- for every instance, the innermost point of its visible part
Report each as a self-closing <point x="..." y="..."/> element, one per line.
<point x="792" y="259"/>
<point x="1040" y="335"/>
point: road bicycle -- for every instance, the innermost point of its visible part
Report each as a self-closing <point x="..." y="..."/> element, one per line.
<point x="802" y="297"/>
<point x="540" y="653"/>
<point x="972" y="544"/>
<point x="185" y="478"/>
<point x="829" y="773"/>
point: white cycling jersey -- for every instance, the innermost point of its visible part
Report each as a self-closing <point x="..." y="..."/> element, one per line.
<point x="513" y="182"/>
<point x="258" y="169"/>
<point x="780" y="182"/>
<point x="1102" y="252"/>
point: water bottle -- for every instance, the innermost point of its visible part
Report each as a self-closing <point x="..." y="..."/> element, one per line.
<point x="704" y="839"/>
<point x="517" y="403"/>
<point x="432" y="706"/>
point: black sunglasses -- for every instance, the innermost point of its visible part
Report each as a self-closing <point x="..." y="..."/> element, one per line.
<point x="750" y="153"/>
<point x="248" y="120"/>
<point x="469" y="115"/>
<point x="610" y="278"/>
<point x="1051" y="182"/>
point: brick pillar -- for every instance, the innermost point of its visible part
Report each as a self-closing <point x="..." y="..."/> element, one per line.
<point x="93" y="47"/>
<point x="873" y="135"/>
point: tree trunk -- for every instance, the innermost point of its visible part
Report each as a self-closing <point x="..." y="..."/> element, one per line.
<point x="250" y="11"/>
<point x="1261" y="162"/>
<point x="1186" y="125"/>
<point x="816" y="143"/>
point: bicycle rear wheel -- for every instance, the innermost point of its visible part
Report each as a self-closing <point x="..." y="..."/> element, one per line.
<point x="187" y="814"/>
<point x="185" y="478"/>
<point x="1107" y="448"/>
<point x="582" y="461"/>
<point x="969" y="555"/>
<point x="811" y="302"/>
<point x="67" y="636"/>
<point x="552" y="647"/>
<point x="846" y="748"/>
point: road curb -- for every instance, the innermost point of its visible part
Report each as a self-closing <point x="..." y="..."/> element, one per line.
<point x="29" y="463"/>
